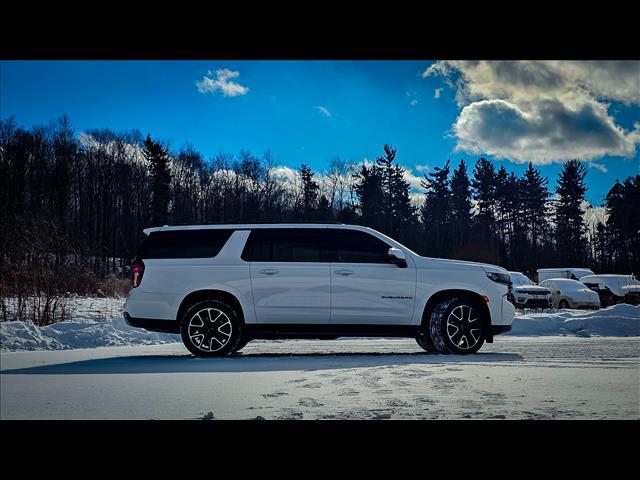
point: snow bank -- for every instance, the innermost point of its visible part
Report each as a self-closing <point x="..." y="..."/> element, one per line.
<point x="99" y="323"/>
<point x="94" y="324"/>
<point x="617" y="321"/>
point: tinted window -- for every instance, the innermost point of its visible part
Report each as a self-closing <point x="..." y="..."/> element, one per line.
<point x="353" y="246"/>
<point x="204" y="243"/>
<point x="286" y="245"/>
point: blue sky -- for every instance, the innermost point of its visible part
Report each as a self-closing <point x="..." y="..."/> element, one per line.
<point x="311" y="111"/>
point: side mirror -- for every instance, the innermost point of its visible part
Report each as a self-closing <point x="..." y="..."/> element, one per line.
<point x="398" y="257"/>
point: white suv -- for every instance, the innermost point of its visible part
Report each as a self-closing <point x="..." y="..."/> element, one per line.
<point x="613" y="289"/>
<point x="222" y="286"/>
<point x="526" y="294"/>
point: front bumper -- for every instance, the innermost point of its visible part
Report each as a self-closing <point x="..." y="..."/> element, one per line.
<point x="534" y="303"/>
<point x="586" y="305"/>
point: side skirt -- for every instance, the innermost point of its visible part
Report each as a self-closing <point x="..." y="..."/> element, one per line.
<point x="284" y="331"/>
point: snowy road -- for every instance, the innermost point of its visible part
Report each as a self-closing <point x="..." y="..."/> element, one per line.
<point x="515" y="378"/>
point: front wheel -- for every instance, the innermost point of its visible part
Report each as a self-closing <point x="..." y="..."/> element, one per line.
<point x="456" y="326"/>
<point x="211" y="329"/>
<point x="563" y="304"/>
<point x="424" y="340"/>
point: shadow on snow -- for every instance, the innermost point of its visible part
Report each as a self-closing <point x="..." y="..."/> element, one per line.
<point x="269" y="362"/>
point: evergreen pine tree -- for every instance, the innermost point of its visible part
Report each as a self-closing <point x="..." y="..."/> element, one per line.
<point x="623" y="225"/>
<point x="310" y="190"/>
<point x="570" y="229"/>
<point x="324" y="209"/>
<point x="158" y="157"/>
<point x="369" y="191"/>
<point x="484" y="185"/>
<point x="385" y="163"/>
<point x="436" y="212"/>
<point x="534" y="195"/>
<point x="460" y="206"/>
<point x="404" y="224"/>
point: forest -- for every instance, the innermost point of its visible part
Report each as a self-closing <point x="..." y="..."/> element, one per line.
<point x="74" y="205"/>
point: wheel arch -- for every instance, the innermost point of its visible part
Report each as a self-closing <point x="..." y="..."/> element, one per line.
<point x="566" y="299"/>
<point x="209" y="294"/>
<point x="437" y="297"/>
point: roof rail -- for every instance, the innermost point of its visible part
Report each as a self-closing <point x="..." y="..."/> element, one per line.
<point x="264" y="222"/>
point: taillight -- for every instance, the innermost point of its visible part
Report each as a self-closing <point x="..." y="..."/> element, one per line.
<point x="137" y="270"/>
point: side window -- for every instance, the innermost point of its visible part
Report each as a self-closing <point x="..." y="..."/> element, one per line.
<point x="205" y="243"/>
<point x="285" y="245"/>
<point x="353" y="246"/>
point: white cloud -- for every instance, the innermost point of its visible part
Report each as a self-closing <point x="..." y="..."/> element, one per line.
<point x="542" y="132"/>
<point x="285" y="173"/>
<point x="131" y="151"/>
<point x="417" y="199"/>
<point x="542" y="111"/>
<point x="413" y="180"/>
<point x="223" y="82"/>
<point x="414" y="101"/>
<point x="324" y="111"/>
<point x="422" y="168"/>
<point x="437" y="92"/>
<point x="474" y="80"/>
<point x="599" y="166"/>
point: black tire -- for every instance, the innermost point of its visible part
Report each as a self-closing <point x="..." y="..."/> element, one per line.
<point x="462" y="314"/>
<point x="224" y="333"/>
<point x="563" y="304"/>
<point x="424" y="340"/>
<point x="241" y="344"/>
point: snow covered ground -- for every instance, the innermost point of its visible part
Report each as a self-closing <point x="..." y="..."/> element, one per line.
<point x="515" y="378"/>
<point x="618" y="320"/>
<point x="98" y="322"/>
<point x="560" y="364"/>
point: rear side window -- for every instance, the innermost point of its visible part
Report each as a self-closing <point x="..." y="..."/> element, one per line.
<point x="204" y="243"/>
<point x="286" y="245"/>
<point x="354" y="246"/>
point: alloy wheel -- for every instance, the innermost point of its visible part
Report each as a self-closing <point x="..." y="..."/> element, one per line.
<point x="464" y="327"/>
<point x="210" y="329"/>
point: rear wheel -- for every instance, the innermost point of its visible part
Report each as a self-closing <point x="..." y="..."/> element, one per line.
<point x="456" y="326"/>
<point x="241" y="344"/>
<point x="211" y="329"/>
<point x="563" y="304"/>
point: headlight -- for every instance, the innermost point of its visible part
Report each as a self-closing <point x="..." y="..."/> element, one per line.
<point x="503" y="278"/>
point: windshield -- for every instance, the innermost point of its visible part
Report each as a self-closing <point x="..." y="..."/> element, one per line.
<point x="567" y="285"/>
<point x="519" y="279"/>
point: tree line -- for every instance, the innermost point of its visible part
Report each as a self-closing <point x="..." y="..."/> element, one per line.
<point x="72" y="199"/>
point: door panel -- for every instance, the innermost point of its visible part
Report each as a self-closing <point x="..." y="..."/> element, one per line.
<point x="375" y="294"/>
<point x="296" y="292"/>
<point x="366" y="288"/>
<point x="290" y="275"/>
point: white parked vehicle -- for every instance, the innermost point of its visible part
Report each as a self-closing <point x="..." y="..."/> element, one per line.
<point x="614" y="289"/>
<point x="572" y="273"/>
<point x="526" y="294"/>
<point x="221" y="286"/>
<point x="567" y="293"/>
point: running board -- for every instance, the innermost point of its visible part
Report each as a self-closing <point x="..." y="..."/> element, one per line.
<point x="284" y="331"/>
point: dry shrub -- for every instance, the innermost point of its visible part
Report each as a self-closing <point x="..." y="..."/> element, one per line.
<point x="41" y="295"/>
<point x="114" y="286"/>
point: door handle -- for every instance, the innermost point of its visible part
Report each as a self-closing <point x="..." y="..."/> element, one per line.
<point x="344" y="273"/>
<point x="269" y="271"/>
